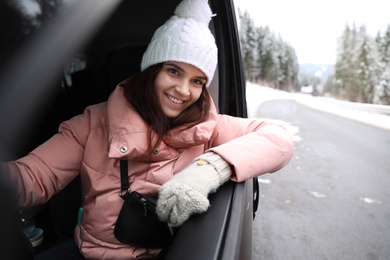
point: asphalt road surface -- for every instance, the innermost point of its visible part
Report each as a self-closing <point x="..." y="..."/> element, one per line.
<point x="332" y="201"/>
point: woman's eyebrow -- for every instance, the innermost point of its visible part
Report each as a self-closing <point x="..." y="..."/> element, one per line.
<point x="175" y="66"/>
<point x="181" y="70"/>
<point x="202" y="78"/>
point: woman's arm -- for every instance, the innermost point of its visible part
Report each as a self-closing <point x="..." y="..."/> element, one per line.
<point x="240" y="149"/>
<point x="52" y="165"/>
<point x="252" y="147"/>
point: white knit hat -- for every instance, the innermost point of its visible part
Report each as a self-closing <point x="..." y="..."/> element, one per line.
<point x="185" y="37"/>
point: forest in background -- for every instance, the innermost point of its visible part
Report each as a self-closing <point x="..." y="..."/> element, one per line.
<point x="362" y="69"/>
<point x="267" y="59"/>
<point x="361" y="72"/>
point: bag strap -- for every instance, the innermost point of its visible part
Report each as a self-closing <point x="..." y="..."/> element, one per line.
<point x="125" y="187"/>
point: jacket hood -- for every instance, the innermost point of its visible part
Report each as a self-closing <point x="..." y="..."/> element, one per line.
<point x="128" y="131"/>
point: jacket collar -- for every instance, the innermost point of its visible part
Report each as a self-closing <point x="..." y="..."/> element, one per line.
<point x="128" y="131"/>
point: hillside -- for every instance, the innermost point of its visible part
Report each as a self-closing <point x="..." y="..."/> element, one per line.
<point x="316" y="70"/>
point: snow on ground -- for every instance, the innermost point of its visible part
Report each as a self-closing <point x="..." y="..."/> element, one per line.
<point x="256" y="95"/>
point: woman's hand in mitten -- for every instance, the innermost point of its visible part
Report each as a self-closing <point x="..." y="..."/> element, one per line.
<point x="186" y="193"/>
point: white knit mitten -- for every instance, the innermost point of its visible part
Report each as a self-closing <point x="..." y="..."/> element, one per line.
<point x="186" y="193"/>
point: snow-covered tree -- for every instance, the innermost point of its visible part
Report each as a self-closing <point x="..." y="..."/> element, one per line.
<point x="382" y="89"/>
<point x="268" y="51"/>
<point x="248" y="39"/>
<point x="288" y="65"/>
<point x="267" y="59"/>
<point x="344" y="80"/>
<point x="367" y="63"/>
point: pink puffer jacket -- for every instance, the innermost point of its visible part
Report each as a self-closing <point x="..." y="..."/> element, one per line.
<point x="93" y="143"/>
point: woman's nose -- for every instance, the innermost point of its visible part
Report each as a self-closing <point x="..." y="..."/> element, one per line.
<point x="183" y="88"/>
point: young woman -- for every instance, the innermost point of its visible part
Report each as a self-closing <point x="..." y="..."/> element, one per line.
<point x="164" y="123"/>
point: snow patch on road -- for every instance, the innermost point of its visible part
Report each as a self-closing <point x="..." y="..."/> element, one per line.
<point x="371" y="201"/>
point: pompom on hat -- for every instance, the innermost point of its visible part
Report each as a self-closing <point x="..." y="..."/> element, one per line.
<point x="185" y="37"/>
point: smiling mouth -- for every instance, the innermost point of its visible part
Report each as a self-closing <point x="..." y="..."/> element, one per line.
<point x="174" y="100"/>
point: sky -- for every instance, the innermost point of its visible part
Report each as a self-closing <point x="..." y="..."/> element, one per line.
<point x="313" y="27"/>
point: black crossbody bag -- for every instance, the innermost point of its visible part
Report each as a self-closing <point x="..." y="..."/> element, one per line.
<point x="138" y="223"/>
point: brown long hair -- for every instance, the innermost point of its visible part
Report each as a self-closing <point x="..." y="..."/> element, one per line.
<point x="140" y="93"/>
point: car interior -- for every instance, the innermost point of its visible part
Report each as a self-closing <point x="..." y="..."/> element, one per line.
<point x="88" y="76"/>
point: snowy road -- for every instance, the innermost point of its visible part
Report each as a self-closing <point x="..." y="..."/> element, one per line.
<point x="332" y="200"/>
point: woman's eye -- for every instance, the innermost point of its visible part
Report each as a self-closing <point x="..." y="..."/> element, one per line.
<point x="173" y="71"/>
<point x="199" y="82"/>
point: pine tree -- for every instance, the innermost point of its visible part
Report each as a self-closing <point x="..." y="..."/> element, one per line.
<point x="292" y="68"/>
<point x="269" y="59"/>
<point x="382" y="88"/>
<point x="367" y="68"/>
<point x="248" y="41"/>
<point x="344" y="80"/>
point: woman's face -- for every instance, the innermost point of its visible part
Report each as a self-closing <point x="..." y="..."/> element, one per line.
<point x="178" y="85"/>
